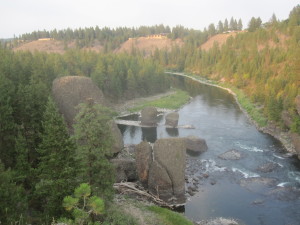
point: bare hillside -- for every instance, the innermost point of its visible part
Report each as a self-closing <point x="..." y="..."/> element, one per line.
<point x="219" y="38"/>
<point x="148" y="44"/>
<point x="53" y="46"/>
<point x="47" y="45"/>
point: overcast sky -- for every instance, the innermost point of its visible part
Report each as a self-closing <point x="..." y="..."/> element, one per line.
<point x="23" y="16"/>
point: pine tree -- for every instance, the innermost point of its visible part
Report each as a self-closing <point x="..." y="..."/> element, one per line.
<point x="22" y="167"/>
<point x="220" y="27"/>
<point x="57" y="168"/>
<point x="94" y="140"/>
<point x="13" y="199"/>
<point x="240" y="25"/>
<point x="226" y="25"/>
<point x="7" y="125"/>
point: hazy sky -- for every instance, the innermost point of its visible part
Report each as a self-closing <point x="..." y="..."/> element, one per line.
<point x="21" y="16"/>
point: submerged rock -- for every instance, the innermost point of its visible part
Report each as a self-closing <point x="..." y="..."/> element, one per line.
<point x="195" y="144"/>
<point x="231" y="155"/>
<point x="267" y="167"/>
<point x="285" y="193"/>
<point x="220" y="221"/>
<point x="258" y="184"/>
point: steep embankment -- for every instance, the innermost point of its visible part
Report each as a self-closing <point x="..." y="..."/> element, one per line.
<point x="148" y="44"/>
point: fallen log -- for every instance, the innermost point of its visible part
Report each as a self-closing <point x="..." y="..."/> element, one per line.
<point x="133" y="188"/>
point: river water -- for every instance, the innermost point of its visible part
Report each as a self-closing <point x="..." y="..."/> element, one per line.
<point x="262" y="187"/>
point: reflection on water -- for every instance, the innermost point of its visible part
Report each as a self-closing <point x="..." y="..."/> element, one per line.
<point x="173" y="132"/>
<point x="149" y="134"/>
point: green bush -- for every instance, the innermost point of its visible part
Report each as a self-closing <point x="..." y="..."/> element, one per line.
<point x="169" y="217"/>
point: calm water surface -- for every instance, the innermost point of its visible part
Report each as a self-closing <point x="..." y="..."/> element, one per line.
<point x="229" y="191"/>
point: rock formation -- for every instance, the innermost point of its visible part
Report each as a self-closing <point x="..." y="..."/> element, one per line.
<point x="69" y="91"/>
<point x="170" y="154"/>
<point x="118" y="143"/>
<point x="162" y="168"/>
<point x="149" y="116"/>
<point x="195" y="144"/>
<point x="143" y="156"/>
<point x="172" y="119"/>
<point x="125" y="169"/>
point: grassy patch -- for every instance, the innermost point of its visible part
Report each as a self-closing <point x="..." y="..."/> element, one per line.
<point x="169" y="217"/>
<point x="254" y="112"/>
<point x="173" y="101"/>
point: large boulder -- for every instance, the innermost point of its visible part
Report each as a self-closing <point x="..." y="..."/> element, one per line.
<point x="159" y="182"/>
<point x="149" y="116"/>
<point x="172" y="119"/>
<point x="69" y="91"/>
<point x="118" y="143"/>
<point x="143" y="156"/>
<point x="125" y="169"/>
<point x="195" y="144"/>
<point x="297" y="102"/>
<point x="169" y="154"/>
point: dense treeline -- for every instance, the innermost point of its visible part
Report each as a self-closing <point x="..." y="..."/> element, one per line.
<point x="111" y="39"/>
<point x="39" y="162"/>
<point x="263" y="62"/>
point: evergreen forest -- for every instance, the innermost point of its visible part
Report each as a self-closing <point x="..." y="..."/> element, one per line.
<point x="45" y="173"/>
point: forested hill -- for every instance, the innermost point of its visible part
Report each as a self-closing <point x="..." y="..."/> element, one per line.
<point x="263" y="62"/>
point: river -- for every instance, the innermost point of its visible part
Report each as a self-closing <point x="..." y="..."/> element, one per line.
<point x="262" y="187"/>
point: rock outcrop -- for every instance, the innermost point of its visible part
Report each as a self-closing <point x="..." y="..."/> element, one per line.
<point x="195" y="144"/>
<point x="159" y="182"/>
<point x="143" y="156"/>
<point x="172" y="119"/>
<point x="170" y="154"/>
<point x="161" y="168"/>
<point x="149" y="116"/>
<point x="118" y="143"/>
<point x="125" y="169"/>
<point x="69" y="91"/>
